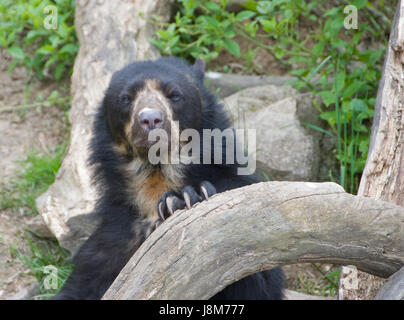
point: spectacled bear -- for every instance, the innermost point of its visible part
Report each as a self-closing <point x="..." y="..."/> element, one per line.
<point x="135" y="195"/>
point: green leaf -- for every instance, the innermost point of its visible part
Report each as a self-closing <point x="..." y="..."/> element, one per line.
<point x="51" y="61"/>
<point x="264" y="7"/>
<point x="299" y="72"/>
<point x="173" y="41"/>
<point x="32" y="35"/>
<point x="317" y="128"/>
<point x="163" y="34"/>
<point x="327" y="96"/>
<point x="212" y="6"/>
<point x="229" y="33"/>
<point x="315" y="70"/>
<point x="46" y="49"/>
<point x="279" y="52"/>
<point x="339" y="81"/>
<point x="250" y="5"/>
<point x="244" y="15"/>
<point x="232" y="46"/>
<point x="210" y="21"/>
<point x="352" y="89"/>
<point x="329" y="116"/>
<point x="268" y="25"/>
<point x="16" y="52"/>
<point x="59" y="71"/>
<point x="359" y="4"/>
<point x="69" y="48"/>
<point x="63" y="30"/>
<point x="318" y="48"/>
<point x="331" y="12"/>
<point x="358" y="105"/>
<point x="364" y="146"/>
<point x="171" y="29"/>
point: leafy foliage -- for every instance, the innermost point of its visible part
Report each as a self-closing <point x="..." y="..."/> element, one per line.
<point x="308" y="38"/>
<point x="202" y="36"/>
<point x="44" y="52"/>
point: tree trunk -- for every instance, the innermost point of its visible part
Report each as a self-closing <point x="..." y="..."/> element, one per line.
<point x="111" y="35"/>
<point x="383" y="176"/>
<point x="262" y="226"/>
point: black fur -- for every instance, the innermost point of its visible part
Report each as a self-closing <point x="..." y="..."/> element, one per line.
<point x="122" y="228"/>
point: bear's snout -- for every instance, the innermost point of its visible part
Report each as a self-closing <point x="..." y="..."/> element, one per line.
<point x="150" y="119"/>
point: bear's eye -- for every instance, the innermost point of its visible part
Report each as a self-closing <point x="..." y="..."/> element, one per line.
<point x="125" y="99"/>
<point x="175" y="96"/>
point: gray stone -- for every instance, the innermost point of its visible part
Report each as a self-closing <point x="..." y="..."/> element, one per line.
<point x="37" y="225"/>
<point x="25" y="294"/>
<point x="225" y="84"/>
<point x="294" y="295"/>
<point x="286" y="149"/>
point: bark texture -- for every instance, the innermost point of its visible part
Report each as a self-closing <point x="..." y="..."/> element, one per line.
<point x="383" y="177"/>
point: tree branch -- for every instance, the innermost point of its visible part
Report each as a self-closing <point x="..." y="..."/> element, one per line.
<point x="197" y="252"/>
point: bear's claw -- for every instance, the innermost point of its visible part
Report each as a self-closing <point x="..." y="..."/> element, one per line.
<point x="171" y="201"/>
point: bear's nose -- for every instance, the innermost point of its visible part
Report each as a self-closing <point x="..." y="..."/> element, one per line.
<point x="150" y="119"/>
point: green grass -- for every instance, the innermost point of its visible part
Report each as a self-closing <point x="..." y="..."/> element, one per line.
<point x="38" y="173"/>
<point x="328" y="287"/>
<point x="45" y="255"/>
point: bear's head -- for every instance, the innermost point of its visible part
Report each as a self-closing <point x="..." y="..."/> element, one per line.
<point x="163" y="94"/>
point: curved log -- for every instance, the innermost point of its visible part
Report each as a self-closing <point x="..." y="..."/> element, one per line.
<point x="260" y="227"/>
<point x="393" y="289"/>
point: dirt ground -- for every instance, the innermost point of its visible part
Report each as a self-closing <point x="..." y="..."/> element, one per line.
<point x="19" y="134"/>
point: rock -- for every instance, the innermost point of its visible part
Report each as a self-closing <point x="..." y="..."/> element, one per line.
<point x="25" y="294"/>
<point x="107" y="43"/>
<point x="286" y="149"/>
<point x="357" y="285"/>
<point x="293" y="295"/>
<point x="37" y="225"/>
<point x="224" y="84"/>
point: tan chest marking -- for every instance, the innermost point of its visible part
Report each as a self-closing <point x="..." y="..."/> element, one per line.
<point x="149" y="193"/>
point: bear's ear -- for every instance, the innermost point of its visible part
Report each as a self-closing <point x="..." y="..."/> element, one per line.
<point x="199" y="68"/>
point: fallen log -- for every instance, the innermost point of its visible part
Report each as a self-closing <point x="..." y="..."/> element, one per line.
<point x="197" y="252"/>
